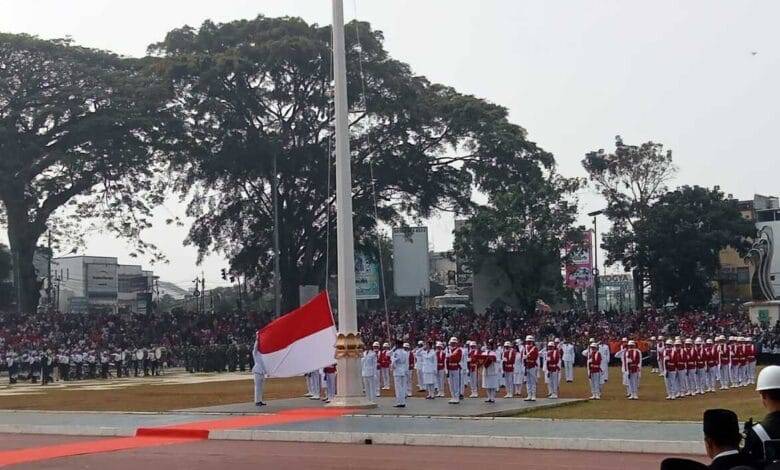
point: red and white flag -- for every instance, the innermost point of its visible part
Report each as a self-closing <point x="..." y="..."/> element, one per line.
<point x="301" y="341"/>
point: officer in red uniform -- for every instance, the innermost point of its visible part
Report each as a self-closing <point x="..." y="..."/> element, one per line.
<point x="508" y="365"/>
<point x="552" y="365"/>
<point x="453" y="356"/>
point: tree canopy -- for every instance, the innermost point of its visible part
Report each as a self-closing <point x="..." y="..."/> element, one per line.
<point x="82" y="133"/>
<point x="630" y="179"/>
<point x="682" y="235"/>
<point x="252" y="90"/>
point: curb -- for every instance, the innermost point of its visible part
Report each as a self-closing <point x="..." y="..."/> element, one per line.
<point x="438" y="440"/>
<point x="67" y="430"/>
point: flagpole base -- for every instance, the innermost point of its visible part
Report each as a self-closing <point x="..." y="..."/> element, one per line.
<point x="351" y="402"/>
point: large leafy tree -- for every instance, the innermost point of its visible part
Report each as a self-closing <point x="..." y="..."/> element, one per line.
<point x="682" y="235"/>
<point x="81" y="133"/>
<point x="630" y="179"/>
<point x="253" y="90"/>
<point x="522" y="230"/>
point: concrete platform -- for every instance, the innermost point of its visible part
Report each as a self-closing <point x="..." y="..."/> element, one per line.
<point x="469" y="407"/>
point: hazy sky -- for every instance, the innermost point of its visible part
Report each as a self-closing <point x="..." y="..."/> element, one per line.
<point x="573" y="73"/>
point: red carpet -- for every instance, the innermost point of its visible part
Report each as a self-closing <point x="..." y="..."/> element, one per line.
<point x="165" y="435"/>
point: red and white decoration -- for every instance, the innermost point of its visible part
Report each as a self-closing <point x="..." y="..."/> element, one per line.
<point x="301" y="341"/>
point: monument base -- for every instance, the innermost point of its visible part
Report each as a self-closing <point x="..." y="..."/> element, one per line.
<point x="360" y="402"/>
<point x="763" y="311"/>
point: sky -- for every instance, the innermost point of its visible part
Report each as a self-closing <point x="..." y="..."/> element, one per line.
<point x="573" y="73"/>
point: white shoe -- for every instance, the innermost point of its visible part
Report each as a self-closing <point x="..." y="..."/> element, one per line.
<point x="592" y="397"/>
<point x="508" y="396"/>
<point x="473" y="395"/>
<point x="554" y="397"/>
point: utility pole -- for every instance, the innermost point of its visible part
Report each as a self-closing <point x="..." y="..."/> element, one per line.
<point x="349" y="345"/>
<point x="203" y="291"/>
<point x="18" y="280"/>
<point x="596" y="273"/>
<point x="48" y="279"/>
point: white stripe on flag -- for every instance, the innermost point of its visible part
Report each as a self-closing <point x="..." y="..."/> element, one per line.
<point x="307" y="354"/>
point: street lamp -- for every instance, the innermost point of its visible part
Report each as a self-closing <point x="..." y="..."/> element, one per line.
<point x="595" y="272"/>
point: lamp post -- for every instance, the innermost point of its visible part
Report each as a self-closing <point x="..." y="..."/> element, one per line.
<point x="349" y="345"/>
<point x="595" y="272"/>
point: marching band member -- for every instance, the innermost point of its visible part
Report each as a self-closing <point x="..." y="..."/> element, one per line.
<point x="453" y="356"/>
<point x="418" y="365"/>
<point x="568" y="360"/>
<point x="330" y="382"/>
<point x="399" y="363"/>
<point x="490" y="372"/>
<point x="701" y="366"/>
<point x="552" y="365"/>
<point x="519" y="369"/>
<point x="508" y="366"/>
<point x="408" y="349"/>
<point x="751" y="353"/>
<point x="428" y="367"/>
<point x="690" y="367"/>
<point x="473" y="368"/>
<point x="660" y="349"/>
<point x="441" y="369"/>
<point x="368" y="364"/>
<point x="724" y="362"/>
<point x="464" y="369"/>
<point x="711" y="363"/>
<point x="384" y="366"/>
<point x="593" y="364"/>
<point x="668" y="364"/>
<point x="377" y="371"/>
<point x="734" y="362"/>
<point x="605" y="356"/>
<point x="531" y="360"/>
<point x="621" y="354"/>
<point x="633" y="360"/>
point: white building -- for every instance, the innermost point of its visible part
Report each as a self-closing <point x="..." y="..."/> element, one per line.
<point x="95" y="283"/>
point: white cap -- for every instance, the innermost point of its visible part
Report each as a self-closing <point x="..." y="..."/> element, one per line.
<point x="748" y="339"/>
<point x="652" y="338"/>
<point x="557" y="340"/>
<point x="732" y="338"/>
<point x="551" y="344"/>
<point x="375" y="345"/>
<point x="592" y="340"/>
<point x="508" y="344"/>
<point x="698" y="341"/>
<point x="669" y="341"/>
<point x="632" y="343"/>
<point x="709" y="341"/>
<point x="594" y="345"/>
<point x="439" y="344"/>
<point x="386" y="345"/>
<point x="660" y="338"/>
<point x="624" y="340"/>
<point x="688" y="341"/>
<point x="406" y="345"/>
<point x="453" y="340"/>
<point x="420" y="342"/>
<point x="768" y="378"/>
<point x="529" y="338"/>
<point x="678" y="342"/>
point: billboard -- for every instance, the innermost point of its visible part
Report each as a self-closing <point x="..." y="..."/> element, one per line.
<point x="101" y="280"/>
<point x="579" y="268"/>
<point x="366" y="277"/>
<point x="411" y="276"/>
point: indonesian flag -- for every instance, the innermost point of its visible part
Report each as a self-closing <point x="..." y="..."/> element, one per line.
<point x="301" y="341"/>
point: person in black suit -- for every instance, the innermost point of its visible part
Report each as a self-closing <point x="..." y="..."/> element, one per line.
<point x="722" y="438"/>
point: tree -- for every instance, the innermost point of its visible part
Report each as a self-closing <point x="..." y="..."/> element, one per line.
<point x="527" y="222"/>
<point x="630" y="179"/>
<point x="682" y="235"/>
<point x="81" y="137"/>
<point x="254" y="91"/>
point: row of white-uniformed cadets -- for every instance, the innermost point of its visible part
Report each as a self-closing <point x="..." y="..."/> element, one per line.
<point x="458" y="366"/>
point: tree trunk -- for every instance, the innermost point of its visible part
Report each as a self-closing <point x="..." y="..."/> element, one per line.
<point x="29" y="289"/>
<point x="639" y="289"/>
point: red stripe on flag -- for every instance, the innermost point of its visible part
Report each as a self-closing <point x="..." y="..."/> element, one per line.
<point x="305" y="321"/>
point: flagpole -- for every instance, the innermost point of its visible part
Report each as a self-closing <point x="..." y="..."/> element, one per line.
<point x="349" y="346"/>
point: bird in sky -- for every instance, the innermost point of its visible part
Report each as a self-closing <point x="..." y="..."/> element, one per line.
<point x="753" y="53"/>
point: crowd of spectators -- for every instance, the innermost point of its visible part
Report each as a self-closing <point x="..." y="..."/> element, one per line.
<point x="578" y="326"/>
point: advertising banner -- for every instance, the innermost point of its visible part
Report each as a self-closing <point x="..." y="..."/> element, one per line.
<point x="366" y="277"/>
<point x="579" y="268"/>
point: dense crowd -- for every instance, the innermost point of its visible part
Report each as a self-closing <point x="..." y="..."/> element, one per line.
<point x="575" y="325"/>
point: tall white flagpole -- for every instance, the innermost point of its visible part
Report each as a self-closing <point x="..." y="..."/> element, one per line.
<point x="349" y="346"/>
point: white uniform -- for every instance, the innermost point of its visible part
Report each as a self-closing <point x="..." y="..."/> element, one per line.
<point x="568" y="360"/>
<point x="368" y="372"/>
<point x="604" y="350"/>
<point x="428" y="368"/>
<point x="490" y="376"/>
<point x="399" y="362"/>
<point x="258" y="373"/>
<point x="418" y="368"/>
